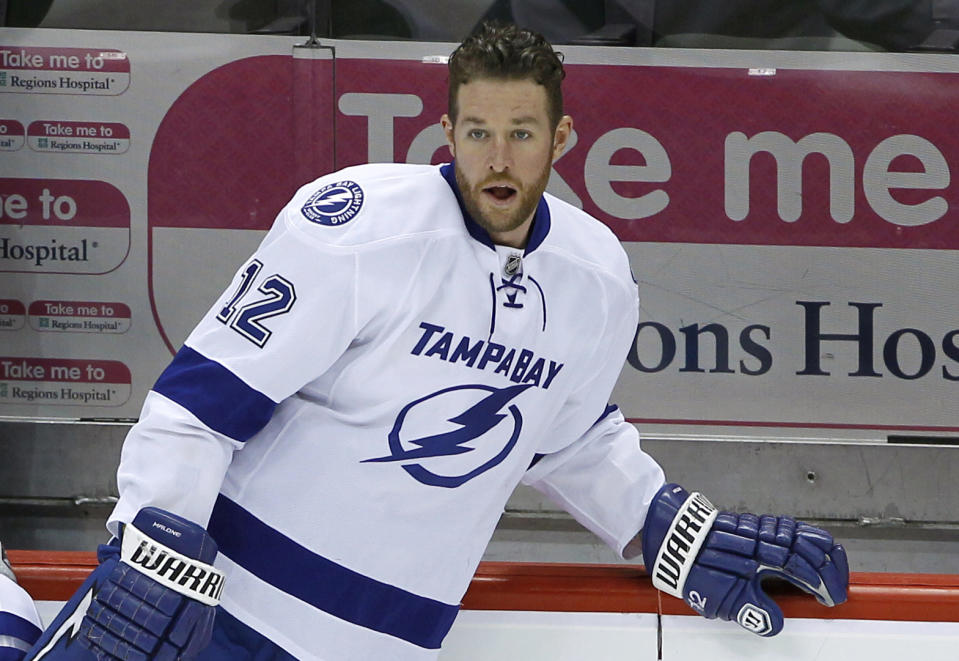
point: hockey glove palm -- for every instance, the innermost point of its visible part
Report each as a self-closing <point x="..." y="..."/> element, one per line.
<point x="716" y="561"/>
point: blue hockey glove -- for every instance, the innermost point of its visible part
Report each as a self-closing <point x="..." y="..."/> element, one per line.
<point x="152" y="598"/>
<point x="716" y="561"/>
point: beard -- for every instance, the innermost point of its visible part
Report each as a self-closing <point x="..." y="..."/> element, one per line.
<point x="497" y="220"/>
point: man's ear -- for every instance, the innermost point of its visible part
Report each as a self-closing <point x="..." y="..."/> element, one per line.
<point x="561" y="136"/>
<point x="447" y="124"/>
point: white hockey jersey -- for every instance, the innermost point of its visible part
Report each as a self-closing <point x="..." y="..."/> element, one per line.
<point x="352" y="415"/>
<point x="19" y="622"/>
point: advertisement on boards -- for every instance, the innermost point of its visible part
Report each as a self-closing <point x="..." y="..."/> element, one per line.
<point x="790" y="217"/>
<point x="136" y="172"/>
<point x="792" y="228"/>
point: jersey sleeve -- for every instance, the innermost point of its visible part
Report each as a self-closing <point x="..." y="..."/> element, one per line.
<point x="20" y="624"/>
<point x="290" y="311"/>
<point x="170" y="460"/>
<point x="604" y="480"/>
<point x="592" y="464"/>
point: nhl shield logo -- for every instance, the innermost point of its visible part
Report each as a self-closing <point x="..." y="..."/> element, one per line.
<point x="514" y="264"/>
<point x="334" y="204"/>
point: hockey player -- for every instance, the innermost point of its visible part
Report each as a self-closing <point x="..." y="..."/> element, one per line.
<point x="347" y="422"/>
<point x="19" y="621"/>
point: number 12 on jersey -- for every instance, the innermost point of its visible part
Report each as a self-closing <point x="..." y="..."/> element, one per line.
<point x="278" y="298"/>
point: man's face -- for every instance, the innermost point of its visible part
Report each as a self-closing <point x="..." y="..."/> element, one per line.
<point x="504" y="145"/>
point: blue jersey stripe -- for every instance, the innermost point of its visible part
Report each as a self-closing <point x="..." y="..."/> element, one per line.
<point x="18" y="627"/>
<point x="610" y="408"/>
<point x="215" y="395"/>
<point x="320" y="582"/>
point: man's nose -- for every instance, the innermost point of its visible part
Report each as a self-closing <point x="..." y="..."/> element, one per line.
<point x="500" y="157"/>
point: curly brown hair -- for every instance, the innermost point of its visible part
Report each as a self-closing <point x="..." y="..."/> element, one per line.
<point x="508" y="52"/>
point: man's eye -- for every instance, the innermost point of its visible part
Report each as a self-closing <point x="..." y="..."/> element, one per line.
<point x="522" y="134"/>
<point x="477" y="134"/>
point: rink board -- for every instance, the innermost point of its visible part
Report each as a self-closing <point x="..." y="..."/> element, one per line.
<point x="565" y="612"/>
<point x="795" y="263"/>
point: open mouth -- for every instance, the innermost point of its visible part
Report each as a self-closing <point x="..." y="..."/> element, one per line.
<point x="500" y="193"/>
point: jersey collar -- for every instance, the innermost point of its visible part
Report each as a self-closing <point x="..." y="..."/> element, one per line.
<point x="541" y="221"/>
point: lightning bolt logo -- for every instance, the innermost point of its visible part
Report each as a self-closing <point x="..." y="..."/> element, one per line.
<point x="473" y="423"/>
<point x="336" y="199"/>
<point x="334" y="204"/>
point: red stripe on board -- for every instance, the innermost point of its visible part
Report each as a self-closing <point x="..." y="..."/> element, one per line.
<point x="55" y="575"/>
<point x="788" y="425"/>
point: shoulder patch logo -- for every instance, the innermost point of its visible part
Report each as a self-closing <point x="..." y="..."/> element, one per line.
<point x="334" y="204"/>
